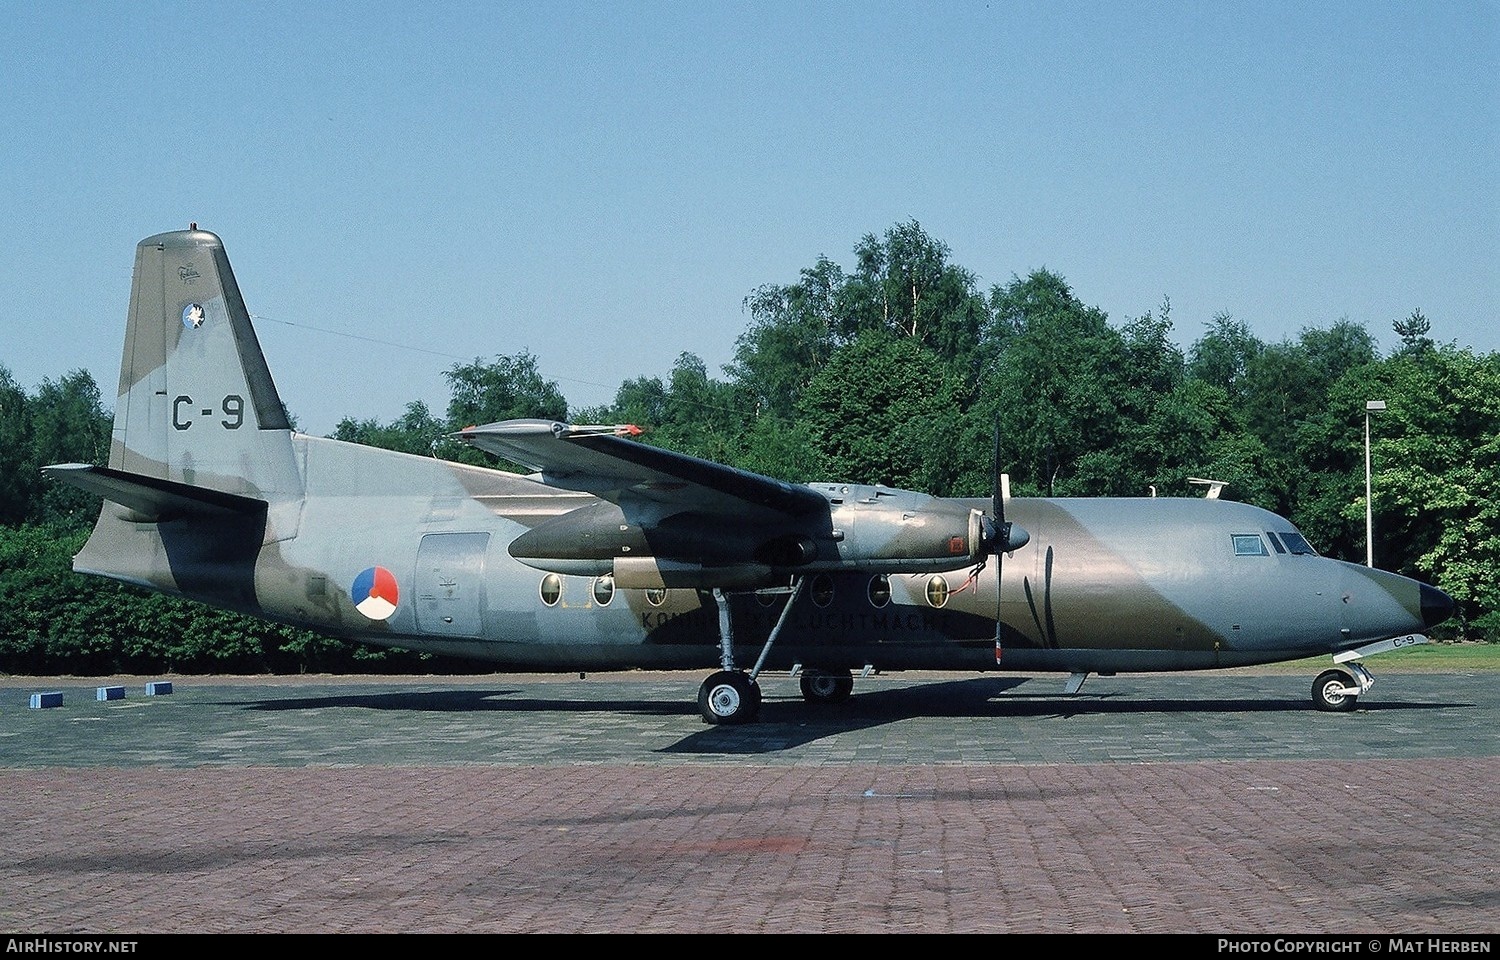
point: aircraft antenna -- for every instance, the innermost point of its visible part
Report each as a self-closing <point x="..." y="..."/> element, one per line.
<point x="1215" y="487"/>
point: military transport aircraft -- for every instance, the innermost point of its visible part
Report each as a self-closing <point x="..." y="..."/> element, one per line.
<point x="616" y="554"/>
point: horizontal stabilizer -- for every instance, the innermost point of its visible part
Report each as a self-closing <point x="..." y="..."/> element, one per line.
<point x="153" y="498"/>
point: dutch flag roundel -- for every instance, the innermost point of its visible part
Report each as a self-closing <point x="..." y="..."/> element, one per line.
<point x="375" y="593"/>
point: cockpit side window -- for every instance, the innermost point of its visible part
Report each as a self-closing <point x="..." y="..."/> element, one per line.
<point x="1275" y="543"/>
<point x="1248" y="545"/>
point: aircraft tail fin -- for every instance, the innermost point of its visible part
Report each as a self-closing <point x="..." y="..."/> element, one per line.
<point x="196" y="403"/>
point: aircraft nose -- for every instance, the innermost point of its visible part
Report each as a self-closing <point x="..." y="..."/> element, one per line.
<point x="1378" y="604"/>
<point x="1437" y="606"/>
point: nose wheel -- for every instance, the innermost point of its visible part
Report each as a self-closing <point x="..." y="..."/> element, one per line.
<point x="1336" y="690"/>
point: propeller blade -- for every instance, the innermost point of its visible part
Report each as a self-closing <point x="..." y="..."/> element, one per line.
<point x="1005" y="537"/>
<point x="997" y="503"/>
<point x="1002" y="534"/>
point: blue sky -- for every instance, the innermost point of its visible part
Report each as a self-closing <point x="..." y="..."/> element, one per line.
<point x="405" y="186"/>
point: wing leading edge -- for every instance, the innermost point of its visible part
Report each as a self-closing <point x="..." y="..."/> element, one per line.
<point x="599" y="461"/>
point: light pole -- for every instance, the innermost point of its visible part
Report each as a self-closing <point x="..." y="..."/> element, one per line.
<point x="1371" y="406"/>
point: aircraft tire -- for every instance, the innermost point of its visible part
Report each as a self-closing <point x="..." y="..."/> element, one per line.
<point x="729" y="697"/>
<point x="1326" y="691"/>
<point x="826" y="686"/>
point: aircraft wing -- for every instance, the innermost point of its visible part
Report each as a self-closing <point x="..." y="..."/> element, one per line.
<point x="601" y="461"/>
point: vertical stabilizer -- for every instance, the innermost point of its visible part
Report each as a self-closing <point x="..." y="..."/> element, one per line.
<point x="196" y="403"/>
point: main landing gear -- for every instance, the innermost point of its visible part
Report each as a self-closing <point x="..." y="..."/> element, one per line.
<point x="731" y="695"/>
<point x="826" y="686"/>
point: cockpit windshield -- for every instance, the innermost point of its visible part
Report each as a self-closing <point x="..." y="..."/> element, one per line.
<point x="1297" y="544"/>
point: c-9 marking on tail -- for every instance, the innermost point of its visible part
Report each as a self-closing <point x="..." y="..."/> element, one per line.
<point x="232" y="407"/>
<point x="616" y="554"/>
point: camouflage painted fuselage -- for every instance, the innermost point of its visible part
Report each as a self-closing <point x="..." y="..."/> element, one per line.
<point x="606" y="558"/>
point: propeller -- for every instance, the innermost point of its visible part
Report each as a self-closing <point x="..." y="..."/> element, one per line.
<point x="1004" y="535"/>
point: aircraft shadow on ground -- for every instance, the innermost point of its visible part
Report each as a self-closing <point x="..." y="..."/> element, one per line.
<point x="791" y="722"/>
<point x="469" y="701"/>
<point x="786" y="721"/>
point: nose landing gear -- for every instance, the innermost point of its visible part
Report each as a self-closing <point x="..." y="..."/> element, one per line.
<point x="1337" y="690"/>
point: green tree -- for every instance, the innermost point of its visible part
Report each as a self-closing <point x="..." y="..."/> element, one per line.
<point x="19" y="476"/>
<point x="905" y="284"/>
<point x="1223" y="356"/>
<point x="1339" y="349"/>
<point x="781" y="449"/>
<point x="508" y="388"/>
<point x="1413" y="333"/>
<point x="882" y="411"/>
<point x="68" y="425"/>
<point x="1283" y="441"/>
<point x="641" y="401"/>
<point x="415" y="431"/>
<point x="1281" y="388"/>
<point x="1436" y="450"/>
<point x="700" y="415"/>
<point x="793" y="330"/>
<point x="1150" y="378"/>
<point x="1195" y="433"/>
<point x="1053" y="386"/>
<point x="690" y="412"/>
<point x="1319" y="443"/>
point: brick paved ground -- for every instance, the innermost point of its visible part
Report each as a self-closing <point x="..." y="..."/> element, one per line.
<point x="609" y="807"/>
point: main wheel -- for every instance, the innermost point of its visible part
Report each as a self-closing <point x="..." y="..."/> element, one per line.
<point x="824" y="686"/>
<point x="1328" y="691"/>
<point x="729" y="697"/>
